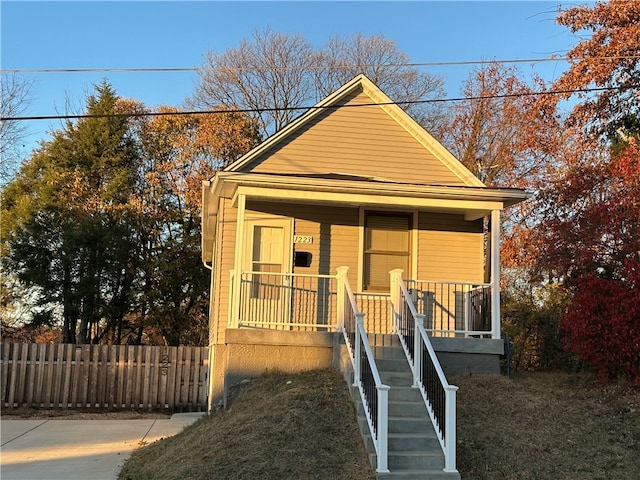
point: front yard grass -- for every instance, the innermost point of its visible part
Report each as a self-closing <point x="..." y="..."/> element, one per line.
<point x="547" y="426"/>
<point x="539" y="426"/>
<point x="277" y="427"/>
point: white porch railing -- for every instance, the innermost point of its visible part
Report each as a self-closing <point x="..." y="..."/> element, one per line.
<point x="438" y="395"/>
<point x="286" y="301"/>
<point x="373" y="393"/>
<point x="452" y="309"/>
<point x="378" y="313"/>
<point x="289" y="301"/>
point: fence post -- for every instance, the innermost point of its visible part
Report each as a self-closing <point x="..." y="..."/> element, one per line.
<point x="383" y="428"/>
<point x="450" y="429"/>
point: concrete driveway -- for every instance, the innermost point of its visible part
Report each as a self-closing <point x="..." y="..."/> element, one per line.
<point x="78" y="449"/>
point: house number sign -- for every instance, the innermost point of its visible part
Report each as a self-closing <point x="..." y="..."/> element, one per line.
<point x="303" y="239"/>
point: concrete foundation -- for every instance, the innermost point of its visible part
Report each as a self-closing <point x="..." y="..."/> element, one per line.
<point x="468" y="355"/>
<point x="249" y="353"/>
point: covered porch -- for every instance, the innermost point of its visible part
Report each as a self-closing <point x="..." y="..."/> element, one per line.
<point x="291" y="232"/>
<point x="308" y="302"/>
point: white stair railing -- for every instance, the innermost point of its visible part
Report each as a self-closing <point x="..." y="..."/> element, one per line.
<point x="373" y="393"/>
<point x="428" y="376"/>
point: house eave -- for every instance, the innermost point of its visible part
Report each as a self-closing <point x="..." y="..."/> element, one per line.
<point x="211" y="192"/>
<point x="473" y="202"/>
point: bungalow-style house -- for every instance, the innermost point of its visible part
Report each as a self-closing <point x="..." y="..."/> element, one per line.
<point x="349" y="230"/>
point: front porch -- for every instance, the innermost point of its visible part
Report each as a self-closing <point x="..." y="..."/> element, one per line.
<point x="456" y="315"/>
<point x="312" y="303"/>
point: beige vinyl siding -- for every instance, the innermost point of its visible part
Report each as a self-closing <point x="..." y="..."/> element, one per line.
<point x="334" y="231"/>
<point x="344" y="248"/>
<point x="362" y="141"/>
<point x="226" y="258"/>
<point x="449" y="248"/>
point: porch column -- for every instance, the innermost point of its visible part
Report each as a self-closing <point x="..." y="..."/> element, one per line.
<point x="495" y="274"/>
<point x="238" y="263"/>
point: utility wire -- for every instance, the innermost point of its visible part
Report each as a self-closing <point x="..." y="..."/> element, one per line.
<point x="310" y="67"/>
<point x="329" y="107"/>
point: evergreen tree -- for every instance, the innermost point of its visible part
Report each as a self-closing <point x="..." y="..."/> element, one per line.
<point x="66" y="228"/>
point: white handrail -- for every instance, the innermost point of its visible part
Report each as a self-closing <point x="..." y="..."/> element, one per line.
<point x="281" y="274"/>
<point x="423" y="334"/>
<point x="379" y="437"/>
<point x="447" y="440"/>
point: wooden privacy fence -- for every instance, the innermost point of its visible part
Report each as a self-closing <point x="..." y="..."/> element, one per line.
<point x="137" y="377"/>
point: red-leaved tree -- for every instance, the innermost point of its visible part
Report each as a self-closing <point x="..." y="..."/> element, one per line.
<point x="602" y="324"/>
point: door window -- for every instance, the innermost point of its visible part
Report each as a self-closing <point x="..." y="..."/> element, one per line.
<point x="266" y="257"/>
<point x="387" y="247"/>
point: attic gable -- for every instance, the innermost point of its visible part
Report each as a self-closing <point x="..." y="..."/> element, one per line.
<point x="359" y="131"/>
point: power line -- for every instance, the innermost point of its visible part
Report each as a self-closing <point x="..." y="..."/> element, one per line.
<point x="277" y="109"/>
<point x="310" y="67"/>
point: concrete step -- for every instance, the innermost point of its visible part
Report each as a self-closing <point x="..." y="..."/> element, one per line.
<point x="409" y="461"/>
<point x="381" y="352"/>
<point x="418" y="475"/>
<point x="413" y="425"/>
<point x="387" y="364"/>
<point x="396" y="379"/>
<point x="409" y="442"/>
<point x="405" y="394"/>
<point x="420" y="424"/>
<point x="407" y="409"/>
<point x="398" y="408"/>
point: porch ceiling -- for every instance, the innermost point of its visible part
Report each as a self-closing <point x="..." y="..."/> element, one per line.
<point x="347" y="190"/>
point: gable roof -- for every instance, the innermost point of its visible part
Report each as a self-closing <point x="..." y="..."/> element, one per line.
<point x="378" y="98"/>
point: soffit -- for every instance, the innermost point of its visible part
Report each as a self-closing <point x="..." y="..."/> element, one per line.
<point x="474" y="202"/>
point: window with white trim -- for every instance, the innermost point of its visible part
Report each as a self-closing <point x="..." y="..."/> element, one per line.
<point x="387" y="246"/>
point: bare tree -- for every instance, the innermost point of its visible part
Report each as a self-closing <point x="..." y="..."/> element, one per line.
<point x="379" y="59"/>
<point x="14" y="101"/>
<point x="273" y="74"/>
<point x="265" y="75"/>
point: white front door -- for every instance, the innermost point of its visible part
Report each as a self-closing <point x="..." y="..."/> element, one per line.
<point x="266" y="286"/>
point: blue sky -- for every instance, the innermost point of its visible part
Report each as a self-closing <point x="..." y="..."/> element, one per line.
<point x="171" y="34"/>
